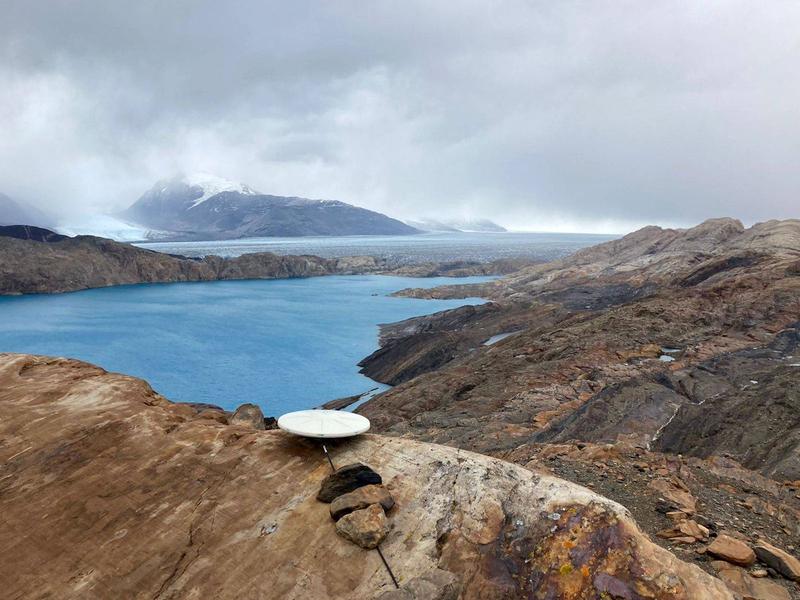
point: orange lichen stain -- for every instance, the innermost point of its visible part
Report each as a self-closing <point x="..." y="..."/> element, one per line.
<point x="585" y="571"/>
<point x="568" y="544"/>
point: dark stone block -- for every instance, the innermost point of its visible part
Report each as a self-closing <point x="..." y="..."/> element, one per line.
<point x="346" y="479"/>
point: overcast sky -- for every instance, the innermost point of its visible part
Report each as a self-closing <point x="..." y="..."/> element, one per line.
<point x="590" y="116"/>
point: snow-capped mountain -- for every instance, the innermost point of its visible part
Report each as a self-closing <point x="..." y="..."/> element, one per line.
<point x="213" y="185"/>
<point x="203" y="206"/>
<point x="14" y="213"/>
<point x="457" y="225"/>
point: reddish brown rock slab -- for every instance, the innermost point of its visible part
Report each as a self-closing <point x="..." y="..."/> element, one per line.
<point x="367" y="527"/>
<point x="108" y="490"/>
<point x="676" y="516"/>
<point x="686" y="529"/>
<point x="783" y="562"/>
<point x="750" y="588"/>
<point x="732" y="550"/>
<point x="681" y="498"/>
<point x="694" y="529"/>
<point x="361" y="498"/>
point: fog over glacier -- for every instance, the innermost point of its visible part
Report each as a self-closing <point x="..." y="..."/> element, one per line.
<point x="577" y="116"/>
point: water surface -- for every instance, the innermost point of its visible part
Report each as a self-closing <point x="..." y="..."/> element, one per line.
<point x="282" y="344"/>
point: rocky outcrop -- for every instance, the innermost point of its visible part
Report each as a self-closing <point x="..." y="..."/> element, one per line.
<point x="743" y="404"/>
<point x="121" y="493"/>
<point x="29" y="232"/>
<point x="82" y="262"/>
<point x="423" y="344"/>
<point x="748" y="587"/>
<point x="783" y="562"/>
<point x="662" y="368"/>
<point x="586" y="360"/>
<point x="664" y="492"/>
<point x="39" y="261"/>
<point x="464" y="268"/>
<point x="248" y="414"/>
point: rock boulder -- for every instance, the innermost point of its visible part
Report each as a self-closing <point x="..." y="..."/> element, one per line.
<point x="748" y="587"/>
<point x="783" y="562"/>
<point x="249" y="415"/>
<point x="366" y="527"/>
<point x="346" y="479"/>
<point x="732" y="550"/>
<point x="361" y="498"/>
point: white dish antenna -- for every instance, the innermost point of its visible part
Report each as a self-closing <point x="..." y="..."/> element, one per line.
<point x="323" y="423"/>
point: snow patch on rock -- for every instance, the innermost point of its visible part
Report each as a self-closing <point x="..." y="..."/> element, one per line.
<point x="213" y="185"/>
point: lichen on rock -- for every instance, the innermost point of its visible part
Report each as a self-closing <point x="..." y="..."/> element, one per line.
<point x="122" y="493"/>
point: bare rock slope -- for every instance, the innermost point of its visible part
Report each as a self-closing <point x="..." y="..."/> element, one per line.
<point x="54" y="264"/>
<point x="639" y="339"/>
<point x="662" y="369"/>
<point x="108" y="490"/>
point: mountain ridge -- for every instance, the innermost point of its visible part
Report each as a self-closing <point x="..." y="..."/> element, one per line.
<point x="207" y="207"/>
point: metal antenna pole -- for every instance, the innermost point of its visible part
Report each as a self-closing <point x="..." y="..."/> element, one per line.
<point x="388" y="568"/>
<point x="378" y="548"/>
<point x="328" y="456"/>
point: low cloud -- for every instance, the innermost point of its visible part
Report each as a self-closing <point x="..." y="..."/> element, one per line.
<point x="570" y="116"/>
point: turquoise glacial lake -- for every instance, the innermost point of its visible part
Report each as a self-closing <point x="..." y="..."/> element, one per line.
<point x="282" y="344"/>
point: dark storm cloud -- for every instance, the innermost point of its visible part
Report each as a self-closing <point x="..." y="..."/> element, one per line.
<point x="540" y="115"/>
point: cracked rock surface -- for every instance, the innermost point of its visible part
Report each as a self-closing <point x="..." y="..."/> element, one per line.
<point x="123" y="494"/>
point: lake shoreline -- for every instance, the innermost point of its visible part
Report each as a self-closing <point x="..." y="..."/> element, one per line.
<point x="51" y="265"/>
<point x="282" y="344"/>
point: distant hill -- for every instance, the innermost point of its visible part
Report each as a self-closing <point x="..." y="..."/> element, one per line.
<point x="14" y="213"/>
<point x="457" y="225"/>
<point x="36" y="261"/>
<point x="204" y="206"/>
